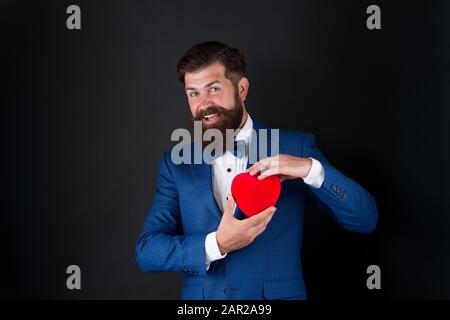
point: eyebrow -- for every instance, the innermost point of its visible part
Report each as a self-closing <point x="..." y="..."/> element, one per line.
<point x="207" y="86"/>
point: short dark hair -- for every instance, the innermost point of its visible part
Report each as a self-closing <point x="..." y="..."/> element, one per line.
<point x="204" y="54"/>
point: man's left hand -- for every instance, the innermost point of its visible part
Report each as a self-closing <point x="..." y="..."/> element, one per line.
<point x="284" y="165"/>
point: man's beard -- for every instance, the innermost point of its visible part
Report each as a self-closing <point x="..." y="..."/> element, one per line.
<point x="228" y="119"/>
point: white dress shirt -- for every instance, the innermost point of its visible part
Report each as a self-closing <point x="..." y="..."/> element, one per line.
<point x="225" y="168"/>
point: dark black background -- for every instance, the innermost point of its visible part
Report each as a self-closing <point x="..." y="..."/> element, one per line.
<point x="87" y="113"/>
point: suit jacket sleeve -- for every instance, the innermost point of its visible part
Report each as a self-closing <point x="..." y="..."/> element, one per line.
<point x="348" y="202"/>
<point x="162" y="246"/>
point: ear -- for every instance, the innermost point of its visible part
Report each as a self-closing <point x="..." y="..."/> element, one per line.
<point x="243" y="86"/>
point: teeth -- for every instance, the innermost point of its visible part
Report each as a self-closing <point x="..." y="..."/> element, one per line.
<point x="209" y="116"/>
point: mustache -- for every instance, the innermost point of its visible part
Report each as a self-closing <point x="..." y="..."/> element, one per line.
<point x="210" y="110"/>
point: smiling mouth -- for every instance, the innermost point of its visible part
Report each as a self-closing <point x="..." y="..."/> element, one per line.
<point x="211" y="118"/>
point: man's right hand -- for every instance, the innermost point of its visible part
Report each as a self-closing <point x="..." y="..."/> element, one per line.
<point x="234" y="234"/>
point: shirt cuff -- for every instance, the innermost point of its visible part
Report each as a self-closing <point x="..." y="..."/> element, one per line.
<point x="212" y="249"/>
<point x="316" y="174"/>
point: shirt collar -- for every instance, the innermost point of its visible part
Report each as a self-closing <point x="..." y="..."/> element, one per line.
<point x="244" y="134"/>
<point x="246" y="130"/>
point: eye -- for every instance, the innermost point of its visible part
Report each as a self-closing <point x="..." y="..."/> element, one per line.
<point x="214" y="89"/>
<point x="193" y="94"/>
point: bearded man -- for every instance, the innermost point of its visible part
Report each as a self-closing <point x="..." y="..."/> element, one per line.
<point x="193" y="225"/>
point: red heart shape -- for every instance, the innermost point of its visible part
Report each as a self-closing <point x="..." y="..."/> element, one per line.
<point x="253" y="195"/>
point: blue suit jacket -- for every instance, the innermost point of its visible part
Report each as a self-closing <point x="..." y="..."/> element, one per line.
<point x="184" y="211"/>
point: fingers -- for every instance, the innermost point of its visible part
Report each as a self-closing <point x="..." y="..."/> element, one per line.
<point x="259" y="228"/>
<point x="267" y="167"/>
<point x="258" y="166"/>
<point x="261" y="217"/>
<point x="268" y="173"/>
<point x="230" y="206"/>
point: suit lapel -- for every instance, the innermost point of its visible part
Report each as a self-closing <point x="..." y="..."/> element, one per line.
<point x="254" y="143"/>
<point x="202" y="175"/>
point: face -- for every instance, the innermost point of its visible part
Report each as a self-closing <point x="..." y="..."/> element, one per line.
<point x="214" y="99"/>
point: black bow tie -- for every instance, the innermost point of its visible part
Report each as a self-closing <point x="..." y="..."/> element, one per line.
<point x="238" y="150"/>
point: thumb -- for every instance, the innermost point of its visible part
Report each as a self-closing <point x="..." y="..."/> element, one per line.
<point x="230" y="206"/>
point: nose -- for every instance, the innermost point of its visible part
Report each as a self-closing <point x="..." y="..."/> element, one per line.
<point x="204" y="104"/>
